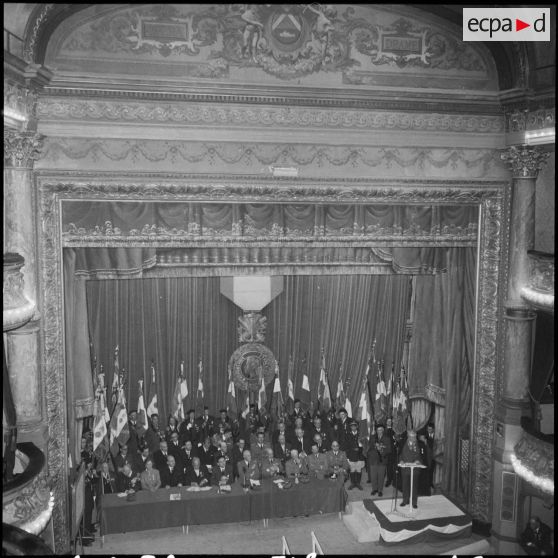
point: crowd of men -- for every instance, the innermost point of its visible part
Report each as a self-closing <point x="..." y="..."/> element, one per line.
<point x="207" y="450"/>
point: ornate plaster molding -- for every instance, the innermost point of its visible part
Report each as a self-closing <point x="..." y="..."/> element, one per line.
<point x="19" y="99"/>
<point x="52" y="189"/>
<point x="176" y="153"/>
<point x="21" y="149"/>
<point x="525" y="161"/>
<point x="523" y="120"/>
<point x="38" y="24"/>
<point x="256" y="116"/>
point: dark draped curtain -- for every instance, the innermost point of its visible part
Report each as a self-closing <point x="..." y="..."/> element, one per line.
<point x="442" y="350"/>
<point x="173" y="319"/>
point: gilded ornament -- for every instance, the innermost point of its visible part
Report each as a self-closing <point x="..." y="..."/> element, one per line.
<point x="525" y="161"/>
<point x="249" y="364"/>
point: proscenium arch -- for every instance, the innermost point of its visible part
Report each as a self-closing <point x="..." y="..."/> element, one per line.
<point x="492" y="198"/>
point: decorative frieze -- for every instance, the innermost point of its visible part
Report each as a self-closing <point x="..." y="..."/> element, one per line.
<point x="525" y="161"/>
<point x="524" y="120"/>
<point x="228" y="115"/>
<point x="21" y="149"/>
<point x="19" y="101"/>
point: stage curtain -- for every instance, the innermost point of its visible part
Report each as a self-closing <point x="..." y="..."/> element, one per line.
<point x="441" y="353"/>
<point x="171" y="319"/>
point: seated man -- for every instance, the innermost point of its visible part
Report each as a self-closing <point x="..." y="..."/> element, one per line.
<point x="337" y="461"/>
<point x="282" y="449"/>
<point x="222" y="472"/>
<point x="259" y="447"/>
<point x="188" y="453"/>
<point x="197" y="474"/>
<point x="160" y="457"/>
<point x="142" y="458"/>
<point x="301" y="442"/>
<point x="296" y="466"/>
<point x="248" y="469"/>
<point x="317" y="463"/>
<point x="271" y="467"/>
<point x="536" y="538"/>
<point x="171" y="475"/>
<point x="222" y="452"/>
<point x="126" y="480"/>
<point x="123" y="458"/>
<point x="236" y="455"/>
<point x="206" y="452"/>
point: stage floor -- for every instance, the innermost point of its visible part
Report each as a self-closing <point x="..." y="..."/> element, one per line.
<point x="436" y="517"/>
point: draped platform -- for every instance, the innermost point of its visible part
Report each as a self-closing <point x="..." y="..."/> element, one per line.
<point x="436" y="517"/>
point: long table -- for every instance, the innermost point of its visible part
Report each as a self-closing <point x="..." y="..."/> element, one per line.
<point x="155" y="510"/>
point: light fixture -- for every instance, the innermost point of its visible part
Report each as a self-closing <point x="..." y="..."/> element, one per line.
<point x="14" y="114"/>
<point x="544" y="484"/>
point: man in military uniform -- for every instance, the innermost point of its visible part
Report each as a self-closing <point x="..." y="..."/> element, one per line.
<point x="271" y="467"/>
<point x="259" y="447"/>
<point x="379" y="449"/>
<point x="355" y="455"/>
<point x="337" y="462"/>
<point x="317" y="463"/>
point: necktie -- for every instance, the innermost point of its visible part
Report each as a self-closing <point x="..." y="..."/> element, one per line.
<point x="335" y="453"/>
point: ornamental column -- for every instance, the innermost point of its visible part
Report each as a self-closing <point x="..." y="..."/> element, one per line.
<point x="21" y="149"/>
<point x="525" y="163"/>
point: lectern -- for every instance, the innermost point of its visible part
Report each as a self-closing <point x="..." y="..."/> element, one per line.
<point x="412" y="467"/>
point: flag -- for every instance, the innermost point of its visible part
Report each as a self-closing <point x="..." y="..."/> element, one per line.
<point x="277" y="407"/>
<point x="247" y="407"/>
<point x="324" y="395"/>
<point x="152" y="397"/>
<point x="115" y="379"/>
<point x="305" y="390"/>
<point x="400" y="404"/>
<point x="142" y="413"/>
<point x="348" y="406"/>
<point x="340" y="397"/>
<point x="180" y="392"/>
<point x="199" y="394"/>
<point x="380" y="403"/>
<point x="119" y="429"/>
<point x="231" y="397"/>
<point x="364" y="414"/>
<point x="103" y="394"/>
<point x="262" y="397"/>
<point x="100" y="438"/>
<point x="290" y="387"/>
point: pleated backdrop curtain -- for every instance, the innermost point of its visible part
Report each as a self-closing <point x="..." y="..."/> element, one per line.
<point x="173" y="319"/>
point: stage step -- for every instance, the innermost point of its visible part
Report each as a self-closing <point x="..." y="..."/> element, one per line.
<point x="360" y="523"/>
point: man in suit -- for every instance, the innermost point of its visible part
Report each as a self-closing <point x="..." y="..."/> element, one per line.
<point x="248" y="469"/>
<point x="222" y="472"/>
<point x="190" y="430"/>
<point x="223" y="421"/>
<point x="106" y="484"/>
<point x="153" y="435"/>
<point x="171" y="475"/>
<point x="537" y="537"/>
<point x="259" y="448"/>
<point x="379" y="450"/>
<point x="271" y="467"/>
<point x="136" y="434"/>
<point x="252" y="420"/>
<point x="318" y="441"/>
<point x="282" y="449"/>
<point x="126" y="480"/>
<point x="206" y="423"/>
<point x="236" y="455"/>
<point x="206" y="452"/>
<point x="123" y="458"/>
<point x="318" y="428"/>
<point x="429" y="441"/>
<point x="160" y="457"/>
<point x="410" y="453"/>
<point x="392" y="457"/>
<point x="317" y="463"/>
<point x="338" y="464"/>
<point x="342" y="428"/>
<point x="281" y="429"/>
<point x="188" y="453"/>
<point x="141" y="459"/>
<point x="197" y="474"/>
<point x="176" y="451"/>
<point x="300" y="442"/>
<point x="222" y="452"/>
<point x="298" y="412"/>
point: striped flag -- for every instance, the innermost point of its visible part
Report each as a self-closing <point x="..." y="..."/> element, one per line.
<point x="348" y="406"/>
<point x="100" y="438"/>
<point x="119" y="429"/>
<point x="262" y="397"/>
<point x="400" y="404"/>
<point x="246" y="409"/>
<point x="305" y="389"/>
<point x="103" y="394"/>
<point x="290" y="387"/>
<point x="115" y="378"/>
<point x="324" y="395"/>
<point x="199" y="394"/>
<point x="232" y="407"/>
<point x="152" y="397"/>
<point x="277" y="407"/>
<point x="380" y="403"/>
<point x="180" y="392"/>
<point x="142" y="413"/>
<point x="364" y="414"/>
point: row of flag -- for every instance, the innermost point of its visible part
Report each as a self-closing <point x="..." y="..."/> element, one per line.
<point x="110" y="430"/>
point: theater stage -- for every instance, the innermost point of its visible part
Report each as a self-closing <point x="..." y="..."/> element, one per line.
<point x="436" y="518"/>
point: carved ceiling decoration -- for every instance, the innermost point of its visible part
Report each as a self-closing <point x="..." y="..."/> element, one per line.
<point x="308" y="45"/>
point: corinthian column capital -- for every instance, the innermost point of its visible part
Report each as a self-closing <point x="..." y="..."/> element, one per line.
<point x="525" y="161"/>
<point x="21" y="148"/>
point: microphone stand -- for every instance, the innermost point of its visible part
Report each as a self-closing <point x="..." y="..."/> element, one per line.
<point x="394" y="501"/>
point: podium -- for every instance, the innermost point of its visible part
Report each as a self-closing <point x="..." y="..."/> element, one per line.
<point x="412" y="467"/>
